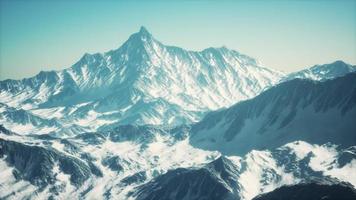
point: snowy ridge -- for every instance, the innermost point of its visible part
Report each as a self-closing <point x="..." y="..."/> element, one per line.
<point x="125" y="162"/>
<point x="323" y="72"/>
<point x="246" y="177"/>
<point x="316" y="112"/>
<point x="113" y="161"/>
<point x="142" y="82"/>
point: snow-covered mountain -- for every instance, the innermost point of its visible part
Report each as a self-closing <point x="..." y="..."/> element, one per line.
<point x="300" y="109"/>
<point x="236" y="178"/>
<point x="148" y="162"/>
<point x="151" y="121"/>
<point x="141" y="82"/>
<point x="141" y="162"/>
<point x="323" y="72"/>
<point x="24" y="121"/>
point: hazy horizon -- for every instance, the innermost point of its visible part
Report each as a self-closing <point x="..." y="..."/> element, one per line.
<point x="41" y="35"/>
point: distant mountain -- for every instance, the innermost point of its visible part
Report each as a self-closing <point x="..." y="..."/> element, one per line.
<point x="319" y="190"/>
<point x="24" y="121"/>
<point x="316" y="112"/>
<point x="323" y="72"/>
<point x="142" y="82"/>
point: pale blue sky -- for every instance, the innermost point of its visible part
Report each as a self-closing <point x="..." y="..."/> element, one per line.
<point x="285" y="35"/>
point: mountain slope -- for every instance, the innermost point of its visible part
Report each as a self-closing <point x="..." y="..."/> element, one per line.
<point x="323" y="72"/>
<point x="22" y="121"/>
<point x="138" y="162"/>
<point x="318" y="190"/>
<point x="248" y="176"/>
<point x="142" y="82"/>
<point x="101" y="165"/>
<point x="214" y="181"/>
<point x="316" y="112"/>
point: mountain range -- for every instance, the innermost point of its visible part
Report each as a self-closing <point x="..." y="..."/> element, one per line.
<point x="141" y="82"/>
<point x="152" y="121"/>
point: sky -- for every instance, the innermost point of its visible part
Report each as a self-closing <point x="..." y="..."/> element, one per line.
<point x="283" y="35"/>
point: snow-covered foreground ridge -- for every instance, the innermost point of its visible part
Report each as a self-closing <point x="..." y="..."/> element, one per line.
<point x="144" y="162"/>
<point x="141" y="82"/>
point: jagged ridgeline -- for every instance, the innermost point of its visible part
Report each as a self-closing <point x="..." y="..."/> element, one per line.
<point x="141" y="82"/>
<point x="151" y="121"/>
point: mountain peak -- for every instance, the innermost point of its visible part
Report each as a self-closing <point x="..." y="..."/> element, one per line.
<point x="221" y="164"/>
<point x="143" y="34"/>
<point x="144" y="31"/>
<point x="323" y="71"/>
<point x="139" y="38"/>
<point x="339" y="62"/>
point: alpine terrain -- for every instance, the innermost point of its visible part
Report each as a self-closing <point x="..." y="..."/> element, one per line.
<point x="141" y="82"/>
<point x="149" y="121"/>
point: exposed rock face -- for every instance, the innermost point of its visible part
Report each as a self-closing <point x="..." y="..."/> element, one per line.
<point x="35" y="163"/>
<point x="320" y="190"/>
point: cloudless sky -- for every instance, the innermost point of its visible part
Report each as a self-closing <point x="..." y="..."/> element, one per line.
<point x="284" y="35"/>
